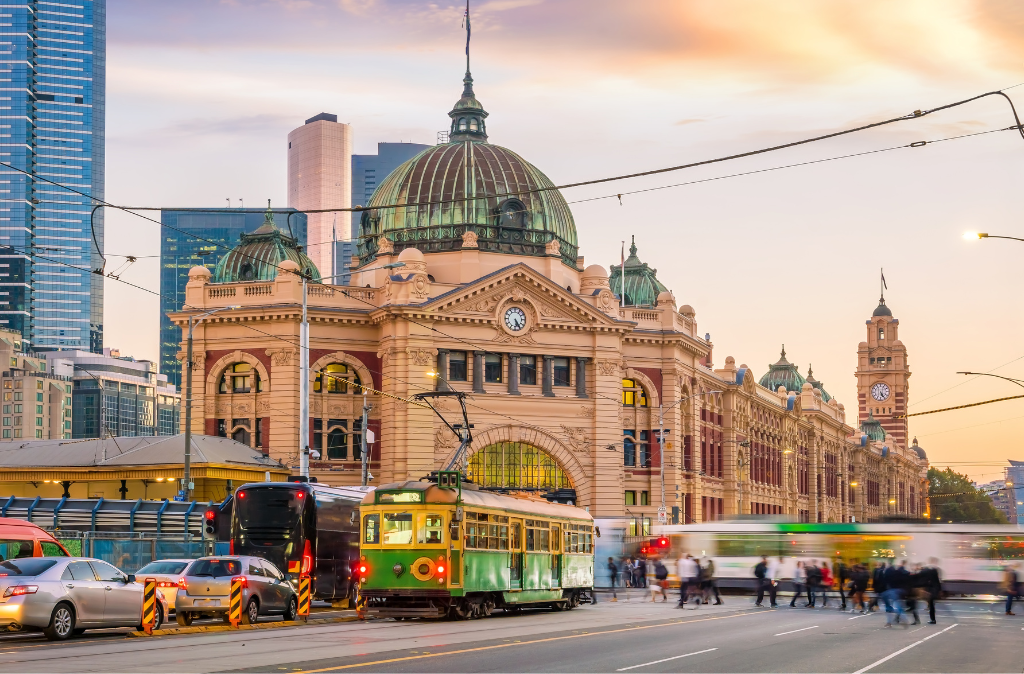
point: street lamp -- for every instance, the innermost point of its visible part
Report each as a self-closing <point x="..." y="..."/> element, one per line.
<point x="973" y="236"/>
<point x="1018" y="382"/>
<point x="193" y="321"/>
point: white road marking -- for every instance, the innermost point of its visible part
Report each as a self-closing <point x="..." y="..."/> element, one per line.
<point x="903" y="650"/>
<point x="794" y="631"/>
<point x="707" y="650"/>
<point x="862" y="615"/>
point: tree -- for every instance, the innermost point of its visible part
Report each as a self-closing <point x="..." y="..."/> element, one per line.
<point x="954" y="498"/>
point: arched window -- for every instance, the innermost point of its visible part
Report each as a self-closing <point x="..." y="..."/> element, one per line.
<point x="517" y="465"/>
<point x="633" y="394"/>
<point x="337" y="378"/>
<point x="241" y="435"/>
<point x="462" y="124"/>
<point x="241" y="378"/>
<point x="246" y="272"/>
<point x="473" y="126"/>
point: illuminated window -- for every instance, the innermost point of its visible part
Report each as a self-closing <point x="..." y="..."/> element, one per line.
<point x="241" y="378"/>
<point x="336" y="378"/>
<point x="517" y="465"/>
<point x="633" y="395"/>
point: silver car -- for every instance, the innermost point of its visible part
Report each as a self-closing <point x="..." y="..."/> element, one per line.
<point x="63" y="596"/>
<point x="207" y="589"/>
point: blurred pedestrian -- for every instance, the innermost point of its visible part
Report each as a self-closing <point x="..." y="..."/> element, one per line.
<point x="893" y="594"/>
<point x="613" y="572"/>
<point x="842" y="574"/>
<point x="930" y="582"/>
<point x="827" y="579"/>
<point x="660" y="580"/>
<point x="799" y="582"/>
<point x="708" y="583"/>
<point x="877" y="584"/>
<point x="641" y="572"/>
<point x="764" y="582"/>
<point x="813" y="582"/>
<point x="859" y="578"/>
<point x="1011" y="586"/>
<point x="687" y="570"/>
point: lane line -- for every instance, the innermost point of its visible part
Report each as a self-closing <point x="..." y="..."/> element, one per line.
<point x="527" y="643"/>
<point x="903" y="650"/>
<point x="802" y="629"/>
<point x="862" y="615"/>
<point x="655" y="662"/>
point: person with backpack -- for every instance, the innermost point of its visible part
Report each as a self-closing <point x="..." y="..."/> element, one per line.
<point x="708" y="584"/>
<point x="660" y="584"/>
<point x="764" y="582"/>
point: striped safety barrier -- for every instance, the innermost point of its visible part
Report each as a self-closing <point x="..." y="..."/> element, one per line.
<point x="149" y="605"/>
<point x="304" y="597"/>
<point x="235" y="601"/>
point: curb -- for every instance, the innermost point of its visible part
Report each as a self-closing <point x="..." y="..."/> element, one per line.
<point x="228" y="628"/>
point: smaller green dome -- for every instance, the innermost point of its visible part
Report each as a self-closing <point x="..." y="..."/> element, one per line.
<point x="642" y="284"/>
<point x="872" y="428"/>
<point x="783" y="373"/>
<point x="825" y="397"/>
<point x="881" y="309"/>
<point x="258" y="255"/>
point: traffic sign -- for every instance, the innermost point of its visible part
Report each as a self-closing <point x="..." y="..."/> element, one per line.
<point x="662" y="515"/>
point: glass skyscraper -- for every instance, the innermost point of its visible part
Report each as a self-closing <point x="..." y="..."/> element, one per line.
<point x="52" y="109"/>
<point x="180" y="250"/>
<point x="369" y="170"/>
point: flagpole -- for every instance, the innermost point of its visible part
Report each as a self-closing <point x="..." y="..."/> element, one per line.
<point x="622" y="276"/>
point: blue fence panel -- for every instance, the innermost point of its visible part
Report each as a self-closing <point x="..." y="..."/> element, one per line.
<point x="127" y="555"/>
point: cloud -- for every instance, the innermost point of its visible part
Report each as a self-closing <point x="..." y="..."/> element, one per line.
<point x="684" y="122"/>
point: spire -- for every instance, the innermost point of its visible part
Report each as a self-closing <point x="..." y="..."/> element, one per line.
<point x="810" y="372"/>
<point x="268" y="226"/>
<point x="783" y="353"/>
<point x="468" y="115"/>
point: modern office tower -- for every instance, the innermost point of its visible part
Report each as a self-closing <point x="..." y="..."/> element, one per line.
<point x="1015" y="490"/>
<point x="319" y="165"/>
<point x="37" y="403"/>
<point x="135" y="399"/>
<point x="343" y="252"/>
<point x="180" y="250"/>
<point x="52" y="108"/>
<point x="369" y="170"/>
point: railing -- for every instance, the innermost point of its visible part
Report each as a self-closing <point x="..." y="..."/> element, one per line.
<point x="320" y="291"/>
<point x="257" y="290"/>
<point x="215" y="292"/>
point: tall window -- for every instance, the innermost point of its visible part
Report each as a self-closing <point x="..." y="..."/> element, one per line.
<point x="560" y="370"/>
<point x="241" y="378"/>
<point x="527" y="369"/>
<point x="517" y="465"/>
<point x="457" y="366"/>
<point x="633" y="394"/>
<point x="492" y="368"/>
<point x="337" y="378"/>
<point x="629" y="447"/>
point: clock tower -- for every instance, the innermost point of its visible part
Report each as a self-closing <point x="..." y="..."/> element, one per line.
<point x="882" y="374"/>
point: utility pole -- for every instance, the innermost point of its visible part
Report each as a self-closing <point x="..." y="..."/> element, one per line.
<point x="364" y="455"/>
<point x="304" y="388"/>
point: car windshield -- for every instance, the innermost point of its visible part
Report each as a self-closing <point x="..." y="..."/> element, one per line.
<point x="29" y="566"/>
<point x="166" y="568"/>
<point x="216" y="568"/>
<point x="12" y="549"/>
<point x="269" y="508"/>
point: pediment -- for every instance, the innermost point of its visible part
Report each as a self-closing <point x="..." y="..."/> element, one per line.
<point x="552" y="304"/>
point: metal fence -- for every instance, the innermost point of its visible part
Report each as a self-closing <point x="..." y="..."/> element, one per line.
<point x="130" y="552"/>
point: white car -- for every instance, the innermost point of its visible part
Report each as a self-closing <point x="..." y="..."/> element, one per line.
<point x="64" y="596"/>
<point x="167" y="573"/>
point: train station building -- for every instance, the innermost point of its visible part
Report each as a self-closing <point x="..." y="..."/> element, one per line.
<point x="568" y="364"/>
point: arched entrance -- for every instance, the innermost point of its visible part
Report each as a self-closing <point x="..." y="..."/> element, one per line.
<point x="517" y="465"/>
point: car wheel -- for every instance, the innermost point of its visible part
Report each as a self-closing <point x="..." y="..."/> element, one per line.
<point x="158" y="619"/>
<point x="62" y="623"/>
<point x="293" y="608"/>
<point x="184" y="618"/>
<point x="252" y="612"/>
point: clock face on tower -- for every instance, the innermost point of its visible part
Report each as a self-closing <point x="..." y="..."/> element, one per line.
<point x="515" y="319"/>
<point x="880" y="392"/>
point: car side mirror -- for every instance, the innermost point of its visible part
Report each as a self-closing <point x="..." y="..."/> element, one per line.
<point x="131" y="578"/>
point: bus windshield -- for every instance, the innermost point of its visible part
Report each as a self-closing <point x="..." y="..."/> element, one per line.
<point x="269" y="508"/>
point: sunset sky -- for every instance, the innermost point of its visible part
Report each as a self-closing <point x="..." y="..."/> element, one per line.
<point x="202" y="93"/>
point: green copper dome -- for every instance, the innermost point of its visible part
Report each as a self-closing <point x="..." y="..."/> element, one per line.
<point x="468" y="185"/>
<point x="783" y="373"/>
<point x="642" y="284"/>
<point x="872" y="428"/>
<point x="258" y="255"/>
<point x="825" y="397"/>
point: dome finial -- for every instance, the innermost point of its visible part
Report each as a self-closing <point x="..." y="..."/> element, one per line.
<point x="783" y="352"/>
<point x="467" y="115"/>
<point x="269" y="215"/>
<point x="632" y="246"/>
<point x="810" y="372"/>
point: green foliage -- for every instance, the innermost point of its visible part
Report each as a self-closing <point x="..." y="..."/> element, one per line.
<point x="953" y="497"/>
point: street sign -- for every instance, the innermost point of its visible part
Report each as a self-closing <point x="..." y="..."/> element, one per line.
<point x="370" y="437"/>
<point x="662" y="515"/>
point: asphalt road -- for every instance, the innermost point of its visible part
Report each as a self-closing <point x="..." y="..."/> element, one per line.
<point x="630" y="637"/>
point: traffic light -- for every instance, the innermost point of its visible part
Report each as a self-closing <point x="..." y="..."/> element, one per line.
<point x="210" y="521"/>
<point x="663" y="543"/>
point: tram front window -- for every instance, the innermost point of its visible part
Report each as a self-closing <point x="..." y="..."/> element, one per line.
<point x="430" y="528"/>
<point x="371" y="529"/>
<point x="397" y="528"/>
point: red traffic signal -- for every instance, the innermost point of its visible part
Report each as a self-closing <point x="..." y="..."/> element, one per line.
<point x="663" y="542"/>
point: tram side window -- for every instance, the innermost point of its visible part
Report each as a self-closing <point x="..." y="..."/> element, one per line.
<point x="430" y="529"/>
<point x="486" y="532"/>
<point x="397" y="528"/>
<point x="538" y="536"/>
<point x="371" y="529"/>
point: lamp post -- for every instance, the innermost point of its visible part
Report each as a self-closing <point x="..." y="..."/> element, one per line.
<point x="1018" y="382"/>
<point x="193" y="321"/>
<point x="304" y="379"/>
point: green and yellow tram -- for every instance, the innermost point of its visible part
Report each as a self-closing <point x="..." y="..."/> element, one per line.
<point x="435" y="551"/>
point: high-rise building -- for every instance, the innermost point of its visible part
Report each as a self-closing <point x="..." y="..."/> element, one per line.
<point x="117" y="396"/>
<point x="53" y="63"/>
<point x="1015" y="488"/>
<point x="37" y="402"/>
<point x="180" y="250"/>
<point x="369" y="170"/>
<point x="319" y="167"/>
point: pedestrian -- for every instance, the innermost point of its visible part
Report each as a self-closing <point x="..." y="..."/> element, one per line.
<point x="687" y="570"/>
<point x="799" y="582"/>
<point x="660" y="579"/>
<point x="641" y="572"/>
<point x="877" y="584"/>
<point x="911" y="589"/>
<point x="826" y="583"/>
<point x="859" y="579"/>
<point x="842" y="575"/>
<point x="892" y="595"/>
<point x="931" y="584"/>
<point x="813" y="582"/>
<point x="709" y="585"/>
<point x="613" y="572"/>
<point x="1010" y="586"/>
<point x="764" y="582"/>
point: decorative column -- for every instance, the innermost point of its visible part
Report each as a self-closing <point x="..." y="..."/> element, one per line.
<point x="548" y="374"/>
<point x="442" y="371"/>
<point x="478" y="372"/>
<point x="513" y="374"/>
<point x="581" y="377"/>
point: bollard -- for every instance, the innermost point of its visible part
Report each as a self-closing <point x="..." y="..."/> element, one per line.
<point x="149" y="606"/>
<point x="235" y="601"/>
<point x="304" y="597"/>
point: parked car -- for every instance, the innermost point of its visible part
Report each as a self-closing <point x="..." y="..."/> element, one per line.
<point x="166" y="573"/>
<point x="206" y="589"/>
<point x="63" y="596"/>
<point x="19" y="539"/>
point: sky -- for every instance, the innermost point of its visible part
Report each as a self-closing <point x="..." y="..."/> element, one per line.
<point x="202" y="94"/>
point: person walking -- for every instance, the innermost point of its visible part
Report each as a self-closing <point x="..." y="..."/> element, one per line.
<point x="764" y="582"/>
<point x="709" y="585"/>
<point x="892" y="595"/>
<point x="661" y="579"/>
<point x="1011" y="586"/>
<point x="859" y="578"/>
<point x="826" y="583"/>
<point x="842" y="574"/>
<point x="911" y="589"/>
<point x="613" y="572"/>
<point x="799" y="582"/>
<point x="687" y="570"/>
<point x="877" y="584"/>
<point x="813" y="582"/>
<point x="641" y="572"/>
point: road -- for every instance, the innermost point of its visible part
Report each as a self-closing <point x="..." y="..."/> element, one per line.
<point x="635" y="636"/>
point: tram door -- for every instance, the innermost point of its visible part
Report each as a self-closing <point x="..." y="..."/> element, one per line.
<point x="515" y="558"/>
<point x="556" y="555"/>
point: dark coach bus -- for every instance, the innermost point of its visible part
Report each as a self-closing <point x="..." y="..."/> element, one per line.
<point x="302" y="528"/>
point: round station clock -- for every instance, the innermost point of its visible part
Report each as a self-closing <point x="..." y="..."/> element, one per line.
<point x="515" y="319"/>
<point x="880" y="391"/>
